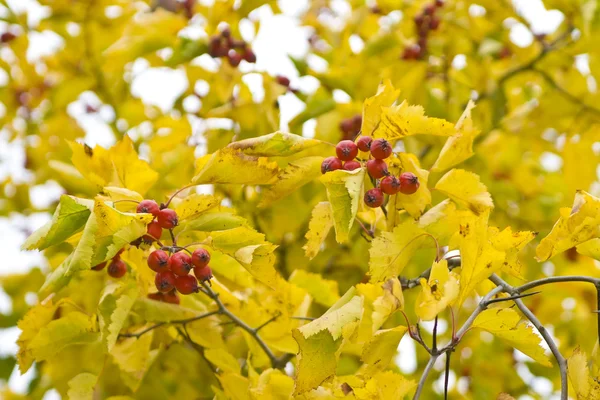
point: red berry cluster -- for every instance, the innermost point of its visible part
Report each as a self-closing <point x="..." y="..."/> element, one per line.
<point x="117" y="267"/>
<point x="425" y="22"/>
<point x="236" y="50"/>
<point x="351" y="126"/>
<point x="164" y="218"/>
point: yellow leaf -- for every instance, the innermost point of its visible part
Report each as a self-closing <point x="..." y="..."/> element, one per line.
<point x="316" y="361"/>
<point x="156" y="311"/>
<point x="385" y="385"/>
<point x="506" y="324"/>
<point x="194" y="205"/>
<point x="373" y="106"/>
<point x="233" y="166"/>
<point x="272" y="384"/>
<point x="585" y="387"/>
<point x="324" y="291"/>
<point x="295" y="175"/>
<point x="33" y="321"/>
<point x="466" y="189"/>
<point x="234" y="385"/>
<point x="438" y="293"/>
<point x="223" y="360"/>
<point x="277" y="144"/>
<point x="134" y="358"/>
<point x="320" y="224"/>
<point x="81" y="387"/>
<point x="113" y="310"/>
<point x="382" y="346"/>
<point x="336" y="320"/>
<point x="404" y="120"/>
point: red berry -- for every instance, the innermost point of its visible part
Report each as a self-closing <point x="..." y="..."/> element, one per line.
<point x="409" y="183"/>
<point x="439" y="3"/>
<point x="429" y="10"/>
<point x="164" y="281"/>
<point x="374" y="198"/>
<point x="7" y="37"/>
<point x="381" y="149"/>
<point x="435" y="23"/>
<point x="412" y="52"/>
<point x="159" y="261"/>
<point x="186" y="284"/>
<point x="117" y="268"/>
<point x="214" y="47"/>
<point x="234" y="58"/>
<point x="390" y="185"/>
<point x="364" y="143"/>
<point x="283" y="80"/>
<point x="148" y="206"/>
<point x="181" y="263"/>
<point x="203" y="274"/>
<point x="249" y="56"/>
<point x="154" y="232"/>
<point x="226" y="32"/>
<point x="158" y="296"/>
<point x="351" y="165"/>
<point x="356" y="123"/>
<point x="377" y="168"/>
<point x="200" y="258"/>
<point x="331" y="164"/>
<point x="346" y="150"/>
<point x="171" y="297"/>
<point x="99" y="267"/>
<point x="167" y="218"/>
<point x="346" y="126"/>
<point x="419" y="18"/>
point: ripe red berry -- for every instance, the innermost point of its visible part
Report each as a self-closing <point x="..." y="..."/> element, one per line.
<point x="181" y="263"/>
<point x="390" y="185"/>
<point x="167" y="218"/>
<point x="226" y="32"/>
<point x="148" y="206"/>
<point x="374" y="198"/>
<point x="346" y="126"/>
<point x="351" y="165"/>
<point x="154" y="232"/>
<point x="7" y="37"/>
<point x="203" y="274"/>
<point x="158" y="296"/>
<point x="234" y="58"/>
<point x="164" y="281"/>
<point x="99" y="267"/>
<point x="346" y="150"/>
<point x="200" y="258"/>
<point x="439" y="3"/>
<point x="331" y="164"/>
<point x="434" y="23"/>
<point x="283" y="80"/>
<point x="377" y="168"/>
<point x="419" y="18"/>
<point x="186" y="284"/>
<point x="381" y="149"/>
<point x="364" y="143"/>
<point x="356" y="123"/>
<point x="214" y="47"/>
<point x="117" y="268"/>
<point x="159" y="261"/>
<point x="409" y="183"/>
<point x="249" y="56"/>
<point x="171" y="297"/>
<point x="429" y="10"/>
<point x="411" y="52"/>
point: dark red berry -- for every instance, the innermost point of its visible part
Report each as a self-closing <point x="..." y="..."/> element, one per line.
<point x="154" y="232"/>
<point x="364" y="143"/>
<point x="282" y="80"/>
<point x="409" y="183"/>
<point x="374" y="198"/>
<point x="226" y="32"/>
<point x="164" y="281"/>
<point x="7" y="37"/>
<point x="439" y="3"/>
<point x="351" y="165"/>
<point x="434" y="23"/>
<point x="159" y="261"/>
<point x="346" y="126"/>
<point x="167" y="218"/>
<point x="171" y="297"/>
<point x="346" y="150"/>
<point x="390" y="185"/>
<point x="203" y="274"/>
<point x="148" y="206"/>
<point x="377" y="168"/>
<point x="214" y="47"/>
<point x="429" y="10"/>
<point x="419" y="18"/>
<point x="99" y="267"/>
<point x="117" y="268"/>
<point x="381" y="149"/>
<point x="186" y="284"/>
<point x="249" y="56"/>
<point x="200" y="258"/>
<point x="356" y="123"/>
<point x="181" y="263"/>
<point x="412" y="52"/>
<point x="234" y="58"/>
<point x="236" y="44"/>
<point x="158" y="296"/>
<point x="331" y="164"/>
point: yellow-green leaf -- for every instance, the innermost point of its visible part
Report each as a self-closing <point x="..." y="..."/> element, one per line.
<point x="295" y="175"/>
<point x="585" y="387"/>
<point x="415" y="203"/>
<point x="382" y="346"/>
<point x="233" y="166"/>
<point x="195" y="205"/>
<point x="81" y="387"/>
<point x="324" y="291"/>
<point x="320" y="224"/>
<point x="404" y="120"/>
<point x="466" y="189"/>
<point x="438" y="292"/>
<point x="223" y="360"/>
<point x="113" y="310"/>
<point x="373" y="106"/>
<point x="277" y="144"/>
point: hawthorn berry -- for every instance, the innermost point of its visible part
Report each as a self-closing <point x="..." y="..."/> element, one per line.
<point x="390" y="185"/>
<point x="249" y="56"/>
<point x="234" y="58"/>
<point x="200" y="258"/>
<point x="171" y="297"/>
<point x="167" y="218"/>
<point x="346" y="150"/>
<point x="364" y="143"/>
<point x="412" y="52"/>
<point x="409" y="183"/>
<point x="154" y="232"/>
<point x="186" y="284"/>
<point x="351" y="165"/>
<point x="226" y="32"/>
<point x="203" y="274"/>
<point x="181" y="263"/>
<point x="283" y="80"/>
<point x="434" y="23"/>
<point x="7" y="37"/>
<point x="377" y="168"/>
<point x="99" y="267"/>
<point x="429" y="10"/>
<point x="381" y="149"/>
<point x="164" y="281"/>
<point x="117" y="268"/>
<point x="214" y="47"/>
<point x="374" y="198"/>
<point x="331" y="164"/>
<point x="158" y="296"/>
<point x="346" y="126"/>
<point x="159" y="260"/>
<point x="439" y="3"/>
<point x="148" y="206"/>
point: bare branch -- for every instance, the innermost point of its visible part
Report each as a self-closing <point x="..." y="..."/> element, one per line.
<point x="159" y="324"/>
<point x="423" y="379"/>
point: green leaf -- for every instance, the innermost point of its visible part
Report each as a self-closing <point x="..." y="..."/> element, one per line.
<point x="277" y="144"/>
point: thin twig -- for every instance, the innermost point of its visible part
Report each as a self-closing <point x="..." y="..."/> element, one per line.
<point x="447" y="374"/>
<point x="159" y="324"/>
<point x="434" y="340"/>
<point x="423" y="379"/>
<point x="518" y="296"/>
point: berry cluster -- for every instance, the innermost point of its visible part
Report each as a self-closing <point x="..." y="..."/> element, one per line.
<point x="164" y="218"/>
<point x="236" y="50"/>
<point x="380" y="149"/>
<point x="117" y="267"/>
<point x="425" y="22"/>
<point x="351" y="126"/>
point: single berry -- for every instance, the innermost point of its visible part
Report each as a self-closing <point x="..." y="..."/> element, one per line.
<point x="356" y="123"/>
<point x="429" y="10"/>
<point x="117" y="268"/>
<point x="419" y="19"/>
<point x="346" y="126"/>
<point x="171" y="297"/>
<point x="159" y="261"/>
<point x="249" y="56"/>
<point x="154" y="232"/>
<point x="435" y="23"/>
<point x="409" y="183"/>
<point x="377" y="168"/>
<point x="331" y="164"/>
<point x="351" y="165"/>
<point x="167" y="218"/>
<point x="390" y="185"/>
<point x="99" y="267"/>
<point x="364" y="143"/>
<point x="234" y="58"/>
<point x="411" y="52"/>
<point x="203" y="274"/>
<point x="374" y="198"/>
<point x="7" y="37"/>
<point x="164" y="281"/>
<point x="186" y="284"/>
<point x="439" y="3"/>
<point x="214" y="47"/>
<point x="381" y="149"/>
<point x="346" y="150"/>
<point x="181" y="263"/>
<point x="200" y="258"/>
<point x="158" y="296"/>
<point x="283" y="80"/>
<point x="148" y="206"/>
<point x="226" y="32"/>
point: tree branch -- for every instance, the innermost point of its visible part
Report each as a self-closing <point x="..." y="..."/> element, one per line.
<point x="159" y="324"/>
<point x="423" y="379"/>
